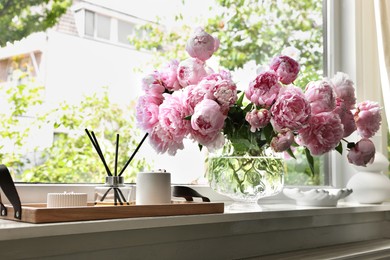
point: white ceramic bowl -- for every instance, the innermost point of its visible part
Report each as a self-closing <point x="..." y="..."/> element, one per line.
<point x="317" y="197"/>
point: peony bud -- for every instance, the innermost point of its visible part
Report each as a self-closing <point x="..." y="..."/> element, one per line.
<point x="286" y="68"/>
<point x="282" y="141"/>
<point x="362" y="153"/>
<point x="201" y="45"/>
<point x="258" y="119"/>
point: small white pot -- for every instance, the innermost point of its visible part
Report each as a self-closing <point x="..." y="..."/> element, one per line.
<point x="153" y="188"/>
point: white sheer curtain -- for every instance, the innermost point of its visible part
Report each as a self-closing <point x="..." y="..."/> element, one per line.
<point x="382" y="21"/>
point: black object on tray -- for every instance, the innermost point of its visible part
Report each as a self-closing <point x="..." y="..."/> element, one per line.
<point x="187" y="193"/>
<point x="9" y="189"/>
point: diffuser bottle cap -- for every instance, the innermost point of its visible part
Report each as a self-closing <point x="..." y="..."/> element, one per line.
<point x="114" y="181"/>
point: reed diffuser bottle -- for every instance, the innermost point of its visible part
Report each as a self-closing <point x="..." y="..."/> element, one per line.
<point x="114" y="191"/>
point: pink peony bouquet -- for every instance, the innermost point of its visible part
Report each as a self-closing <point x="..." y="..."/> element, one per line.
<point x="187" y="99"/>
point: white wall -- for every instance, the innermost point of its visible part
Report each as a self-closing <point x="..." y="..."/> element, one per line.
<point x="77" y="66"/>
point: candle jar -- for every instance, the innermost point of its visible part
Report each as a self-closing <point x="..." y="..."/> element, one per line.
<point x="153" y="188"/>
<point x="114" y="192"/>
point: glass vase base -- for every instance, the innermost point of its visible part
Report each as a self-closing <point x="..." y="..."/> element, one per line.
<point x="241" y="206"/>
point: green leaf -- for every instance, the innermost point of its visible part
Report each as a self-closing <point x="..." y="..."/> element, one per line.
<point x="268" y="132"/>
<point x="240" y="99"/>
<point x="188" y="117"/>
<point x="290" y="152"/>
<point x="310" y="160"/>
<point x="339" y="148"/>
<point x="248" y="108"/>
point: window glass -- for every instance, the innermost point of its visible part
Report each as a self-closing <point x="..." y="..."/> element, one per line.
<point x="96" y="85"/>
<point x="125" y="29"/>
<point x="89" y="23"/>
<point x="103" y="26"/>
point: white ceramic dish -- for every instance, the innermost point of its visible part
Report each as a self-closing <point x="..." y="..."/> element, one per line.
<point x="317" y="197"/>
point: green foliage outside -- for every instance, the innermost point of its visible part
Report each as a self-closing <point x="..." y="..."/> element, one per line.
<point x="17" y="98"/>
<point x="20" y="18"/>
<point x="72" y="158"/>
<point x="253" y="30"/>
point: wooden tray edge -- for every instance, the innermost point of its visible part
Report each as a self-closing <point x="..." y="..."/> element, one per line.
<point x="38" y="213"/>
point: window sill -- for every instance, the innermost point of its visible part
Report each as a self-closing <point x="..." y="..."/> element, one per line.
<point x="272" y="229"/>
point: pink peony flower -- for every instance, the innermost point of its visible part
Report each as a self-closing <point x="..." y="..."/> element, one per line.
<point x="258" y="118"/>
<point x="224" y="92"/>
<point x="264" y="90"/>
<point x="171" y="117"/>
<point x="190" y="71"/>
<point x="225" y="74"/>
<point x="291" y="110"/>
<point x="221" y="75"/>
<point x="168" y="75"/>
<point x="362" y="153"/>
<point x="201" y="45"/>
<point x="163" y="141"/>
<point x="152" y="85"/>
<point x="321" y="96"/>
<point x="282" y="141"/>
<point x="286" y="68"/>
<point x="147" y="112"/>
<point x="207" y="87"/>
<point x="368" y="118"/>
<point x="207" y="122"/>
<point x="322" y="133"/>
<point x="207" y="118"/>
<point x="194" y="95"/>
<point x="212" y="142"/>
<point x="344" y="89"/>
<point x="346" y="117"/>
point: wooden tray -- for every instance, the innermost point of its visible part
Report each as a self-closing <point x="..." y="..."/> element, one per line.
<point x="39" y="213"/>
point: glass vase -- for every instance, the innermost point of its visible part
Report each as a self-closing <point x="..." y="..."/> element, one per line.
<point x="246" y="177"/>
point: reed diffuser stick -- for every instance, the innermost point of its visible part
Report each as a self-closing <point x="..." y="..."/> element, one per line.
<point x="134" y="153"/>
<point x="123" y="197"/>
<point x="98" y="150"/>
<point x="116" y="155"/>
<point x="101" y="154"/>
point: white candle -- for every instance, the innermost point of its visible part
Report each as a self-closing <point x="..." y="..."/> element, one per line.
<point x="153" y="188"/>
<point x="66" y="199"/>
